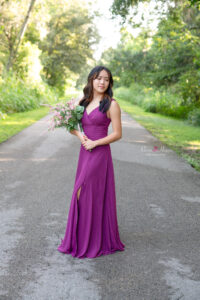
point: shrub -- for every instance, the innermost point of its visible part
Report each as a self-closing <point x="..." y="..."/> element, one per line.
<point x="194" y="117"/>
<point x="18" y="96"/>
<point x="189" y="86"/>
<point x="165" y="102"/>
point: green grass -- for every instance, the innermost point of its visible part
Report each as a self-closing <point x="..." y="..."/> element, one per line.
<point x="181" y="137"/>
<point x="16" y="122"/>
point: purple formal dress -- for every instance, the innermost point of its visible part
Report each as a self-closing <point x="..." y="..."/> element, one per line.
<point x="92" y="228"/>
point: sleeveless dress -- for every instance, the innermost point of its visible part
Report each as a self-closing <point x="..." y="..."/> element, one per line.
<point x="92" y="226"/>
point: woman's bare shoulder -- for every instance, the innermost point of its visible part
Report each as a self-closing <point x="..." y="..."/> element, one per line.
<point x="114" y="106"/>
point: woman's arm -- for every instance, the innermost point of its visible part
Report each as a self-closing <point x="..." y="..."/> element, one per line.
<point x="76" y="132"/>
<point x="115" y="116"/>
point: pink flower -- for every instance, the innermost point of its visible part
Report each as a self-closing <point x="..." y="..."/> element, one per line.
<point x="67" y="117"/>
<point x="69" y="114"/>
<point x="71" y="103"/>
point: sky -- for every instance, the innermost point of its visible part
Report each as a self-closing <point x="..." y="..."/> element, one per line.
<point x="109" y="29"/>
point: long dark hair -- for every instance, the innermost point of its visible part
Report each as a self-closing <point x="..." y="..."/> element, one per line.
<point x="88" y="89"/>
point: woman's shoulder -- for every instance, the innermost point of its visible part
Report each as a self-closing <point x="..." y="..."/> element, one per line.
<point x="114" y="100"/>
<point x="114" y="104"/>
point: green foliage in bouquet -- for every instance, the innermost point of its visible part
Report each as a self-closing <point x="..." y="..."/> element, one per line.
<point x="74" y="120"/>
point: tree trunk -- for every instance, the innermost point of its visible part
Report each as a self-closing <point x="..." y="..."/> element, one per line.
<point x="14" y="50"/>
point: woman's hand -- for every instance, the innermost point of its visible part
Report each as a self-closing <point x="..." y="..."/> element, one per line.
<point x="89" y="144"/>
<point x="82" y="138"/>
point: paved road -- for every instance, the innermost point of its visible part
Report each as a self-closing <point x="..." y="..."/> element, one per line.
<point x="158" y="204"/>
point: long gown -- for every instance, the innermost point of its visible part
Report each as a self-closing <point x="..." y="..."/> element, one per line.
<point x="92" y="226"/>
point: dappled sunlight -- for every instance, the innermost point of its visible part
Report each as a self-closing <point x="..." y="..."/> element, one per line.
<point x="192" y="148"/>
<point x="5" y="159"/>
<point x="166" y="130"/>
<point x="8" y="159"/>
<point x="130" y="124"/>
<point x="17" y="122"/>
<point x="134" y="141"/>
<point x="194" y="145"/>
<point x="144" y="142"/>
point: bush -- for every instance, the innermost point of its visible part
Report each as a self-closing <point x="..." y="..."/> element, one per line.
<point x="18" y="96"/>
<point x="189" y="86"/>
<point x="162" y="101"/>
<point x="149" y="105"/>
<point x="194" y="117"/>
<point x="123" y="93"/>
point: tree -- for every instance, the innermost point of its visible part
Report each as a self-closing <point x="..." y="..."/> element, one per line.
<point x="122" y="7"/>
<point x="173" y="58"/>
<point x="15" y="46"/>
<point x="67" y="45"/>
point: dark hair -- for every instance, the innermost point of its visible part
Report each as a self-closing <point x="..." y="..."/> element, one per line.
<point x="88" y="89"/>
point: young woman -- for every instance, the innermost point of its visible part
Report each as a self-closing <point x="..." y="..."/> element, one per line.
<point x="92" y="226"/>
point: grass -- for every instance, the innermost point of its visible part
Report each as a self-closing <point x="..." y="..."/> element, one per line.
<point x="181" y="137"/>
<point x="16" y="122"/>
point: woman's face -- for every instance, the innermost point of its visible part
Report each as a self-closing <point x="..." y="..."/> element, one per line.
<point x="101" y="83"/>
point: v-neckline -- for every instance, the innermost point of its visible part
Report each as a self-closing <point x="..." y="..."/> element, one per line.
<point x="91" y="111"/>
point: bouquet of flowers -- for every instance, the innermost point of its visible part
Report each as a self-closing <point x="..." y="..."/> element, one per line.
<point x="66" y="115"/>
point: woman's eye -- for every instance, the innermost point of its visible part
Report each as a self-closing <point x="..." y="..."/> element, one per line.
<point x="100" y="79"/>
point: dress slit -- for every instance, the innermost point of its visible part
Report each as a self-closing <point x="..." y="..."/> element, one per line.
<point x="77" y="212"/>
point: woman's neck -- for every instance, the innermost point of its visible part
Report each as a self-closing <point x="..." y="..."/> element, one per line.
<point x="97" y="97"/>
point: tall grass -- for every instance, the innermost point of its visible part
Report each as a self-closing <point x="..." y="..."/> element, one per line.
<point x="159" y="101"/>
<point x="18" y="96"/>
